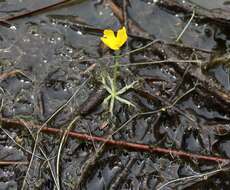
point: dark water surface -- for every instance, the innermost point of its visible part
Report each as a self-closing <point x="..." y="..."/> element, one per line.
<point x="52" y="58"/>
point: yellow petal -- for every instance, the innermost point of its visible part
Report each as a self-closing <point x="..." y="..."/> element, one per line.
<point x="109" y="34"/>
<point x="122" y="36"/>
<point x="111" y="43"/>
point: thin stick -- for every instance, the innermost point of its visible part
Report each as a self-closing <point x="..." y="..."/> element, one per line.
<point x="94" y="145"/>
<point x="12" y="139"/>
<point x="182" y="96"/>
<point x="203" y="175"/>
<point x="46" y="122"/>
<point x="12" y="73"/>
<point x="141" y="48"/>
<point x="155" y="111"/>
<point x="186" y="26"/>
<point x="120" y="144"/>
<point x="22" y="15"/>
<point x="139" y="147"/>
<point x="11" y="162"/>
<point x="64" y="136"/>
<point x="42" y="151"/>
<point x="161" y="61"/>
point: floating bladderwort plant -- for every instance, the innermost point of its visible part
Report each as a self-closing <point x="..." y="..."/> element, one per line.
<point x="110" y="84"/>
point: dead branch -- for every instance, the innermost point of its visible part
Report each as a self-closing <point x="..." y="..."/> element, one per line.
<point x="219" y="16"/>
<point x="12" y="162"/>
<point x="133" y="26"/>
<point x="39" y="10"/>
<point x="208" y="86"/>
<point x="7" y="122"/>
<point x="11" y="74"/>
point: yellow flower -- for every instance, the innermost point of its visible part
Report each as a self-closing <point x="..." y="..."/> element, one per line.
<point x="112" y="41"/>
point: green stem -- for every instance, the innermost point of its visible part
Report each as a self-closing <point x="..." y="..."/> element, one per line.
<point x="116" y="68"/>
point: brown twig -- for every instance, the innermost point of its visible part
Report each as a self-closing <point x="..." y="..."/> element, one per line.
<point x="10" y="74"/>
<point x="116" y="10"/>
<point x="12" y="162"/>
<point x="219" y="16"/>
<point x="133" y="26"/>
<point x="89" y="69"/>
<point x="30" y="13"/>
<point x="209" y="86"/>
<point x="7" y="74"/>
<point x="6" y="122"/>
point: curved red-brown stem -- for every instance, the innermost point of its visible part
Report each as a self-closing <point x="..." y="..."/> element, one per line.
<point x="121" y="144"/>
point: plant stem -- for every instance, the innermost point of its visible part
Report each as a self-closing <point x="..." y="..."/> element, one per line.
<point x="118" y="143"/>
<point x="116" y="68"/>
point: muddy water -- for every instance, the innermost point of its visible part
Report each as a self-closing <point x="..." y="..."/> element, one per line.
<point x="51" y="58"/>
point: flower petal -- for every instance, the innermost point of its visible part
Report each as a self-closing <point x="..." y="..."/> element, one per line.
<point x="111" y="43"/>
<point x="122" y="36"/>
<point x="109" y="34"/>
